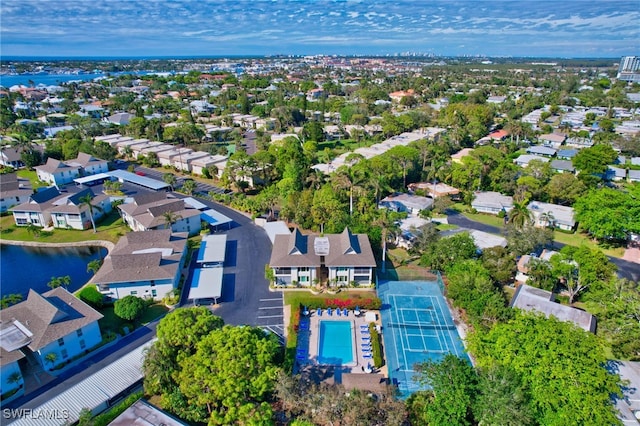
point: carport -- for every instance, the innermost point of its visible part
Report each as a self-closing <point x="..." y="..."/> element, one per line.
<point x="206" y="283"/>
<point x="215" y="218"/>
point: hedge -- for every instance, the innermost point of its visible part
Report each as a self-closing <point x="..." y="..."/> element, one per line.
<point x="376" y="347"/>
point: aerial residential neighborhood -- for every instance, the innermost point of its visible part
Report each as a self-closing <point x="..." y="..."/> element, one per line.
<point x="319" y="239"/>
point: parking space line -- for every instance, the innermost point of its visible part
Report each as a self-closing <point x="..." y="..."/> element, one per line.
<point x="270" y="316"/>
<point x="267" y="300"/>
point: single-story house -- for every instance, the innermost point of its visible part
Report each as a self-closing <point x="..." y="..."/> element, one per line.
<point x="50" y="328"/>
<point x="338" y="259"/>
<point x="552" y="139"/>
<point x="144" y="264"/>
<point x="435" y="190"/>
<point x="546" y="214"/>
<point x="524" y="159"/>
<point x="120" y="118"/>
<point x="634" y="175"/>
<point x="485" y="240"/>
<point x="542" y="151"/>
<point x="562" y="166"/>
<point x="409" y="203"/>
<point x="492" y="202"/>
<point x="615" y="174"/>
<point x="566" y="154"/>
<point x="534" y="299"/>
<point x="13" y="191"/>
<point x="152" y="210"/>
<point x="522" y="268"/>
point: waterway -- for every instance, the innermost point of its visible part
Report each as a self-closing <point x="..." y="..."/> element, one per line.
<point x="56" y="79"/>
<point x="22" y="268"/>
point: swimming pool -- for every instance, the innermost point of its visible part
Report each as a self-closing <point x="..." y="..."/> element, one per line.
<point x="335" y="343"/>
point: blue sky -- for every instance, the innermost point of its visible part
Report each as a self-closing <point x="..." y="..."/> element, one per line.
<point x="559" y="28"/>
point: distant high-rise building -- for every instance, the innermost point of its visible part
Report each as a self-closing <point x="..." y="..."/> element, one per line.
<point x="629" y="69"/>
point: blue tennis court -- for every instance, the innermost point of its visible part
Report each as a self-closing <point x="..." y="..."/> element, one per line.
<point x="417" y="327"/>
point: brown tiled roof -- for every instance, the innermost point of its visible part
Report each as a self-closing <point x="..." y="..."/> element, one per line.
<point x="50" y="316"/>
<point x="53" y="166"/>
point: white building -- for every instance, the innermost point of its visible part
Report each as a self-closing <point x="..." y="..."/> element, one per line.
<point x="150" y="211"/>
<point x="143" y="264"/>
<point x="492" y="202"/>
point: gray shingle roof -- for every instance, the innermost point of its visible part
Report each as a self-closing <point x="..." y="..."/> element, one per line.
<point x="50" y="316"/>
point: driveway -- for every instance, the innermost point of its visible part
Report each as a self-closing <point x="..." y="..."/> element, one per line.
<point x="246" y="298"/>
<point x="626" y="268"/>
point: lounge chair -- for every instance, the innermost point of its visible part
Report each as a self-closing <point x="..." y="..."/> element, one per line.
<point x="366" y="347"/>
<point x="329" y="311"/>
<point x="345" y="312"/>
<point x="319" y="312"/>
<point x="364" y="327"/>
<point x="367" y="355"/>
<point x="366" y="338"/>
<point x="338" y="312"/>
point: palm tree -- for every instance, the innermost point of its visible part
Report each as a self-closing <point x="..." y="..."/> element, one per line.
<point x="389" y="228"/>
<point x="347" y="178"/>
<point x="86" y="200"/>
<point x="94" y="266"/>
<point x="51" y="358"/>
<point x="170" y="218"/>
<point x="14" y="377"/>
<point x="170" y="179"/>
<point x="519" y="215"/>
<point x="56" y="282"/>
<point x="548" y="219"/>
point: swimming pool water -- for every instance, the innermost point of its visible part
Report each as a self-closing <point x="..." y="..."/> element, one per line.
<point x="335" y="343"/>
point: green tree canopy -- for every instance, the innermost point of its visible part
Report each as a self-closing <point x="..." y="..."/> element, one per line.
<point x="561" y="365"/>
<point x="607" y="213"/>
<point x="129" y="307"/>
<point x="232" y="375"/>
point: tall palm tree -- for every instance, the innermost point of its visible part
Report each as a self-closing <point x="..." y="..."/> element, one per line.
<point x="170" y="218"/>
<point x="86" y="200"/>
<point x="347" y="178"/>
<point x="389" y="229"/>
<point x="548" y="219"/>
<point x="170" y="179"/>
<point x="519" y="215"/>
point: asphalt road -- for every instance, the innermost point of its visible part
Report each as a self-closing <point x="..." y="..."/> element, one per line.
<point x="626" y="269"/>
<point x="246" y="300"/>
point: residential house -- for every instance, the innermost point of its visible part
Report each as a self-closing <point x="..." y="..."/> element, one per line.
<point x="615" y="174"/>
<point x="554" y="215"/>
<point x="218" y="161"/>
<point x="552" y="140"/>
<point x="13" y="191"/>
<point x="566" y="154"/>
<point x="10" y="157"/>
<point x="167" y="158"/>
<point x="338" y="259"/>
<point x="562" y="166"/>
<point x="50" y="329"/>
<point x="412" y="204"/>
<point x="150" y="210"/>
<point x="496" y="99"/>
<point x="524" y="159"/>
<point x="56" y="172"/>
<point x="144" y="264"/>
<point x="542" y="151"/>
<point x="88" y="164"/>
<point x="458" y="156"/>
<point x="183" y="162"/>
<point x="70" y="212"/>
<point x="634" y="176"/>
<point x="120" y="119"/>
<point x="48" y="207"/>
<point x="534" y="299"/>
<point x="35" y="211"/>
<point x="435" y="190"/>
<point x="522" y="268"/>
<point x="492" y="202"/>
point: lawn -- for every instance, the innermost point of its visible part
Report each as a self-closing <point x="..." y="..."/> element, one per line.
<point x="111" y="228"/>
<point x="32" y="177"/>
<point x="112" y="322"/>
<point x="577" y="239"/>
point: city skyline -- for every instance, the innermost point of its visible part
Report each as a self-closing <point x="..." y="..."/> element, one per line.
<point x="83" y="28"/>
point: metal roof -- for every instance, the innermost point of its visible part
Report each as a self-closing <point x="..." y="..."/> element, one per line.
<point x="138" y="180"/>
<point x="92" y="178"/>
<point x="92" y="391"/>
<point x="206" y="283"/>
<point x="212" y="249"/>
<point x="214" y="218"/>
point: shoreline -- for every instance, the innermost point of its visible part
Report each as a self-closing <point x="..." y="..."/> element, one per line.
<point x="94" y="243"/>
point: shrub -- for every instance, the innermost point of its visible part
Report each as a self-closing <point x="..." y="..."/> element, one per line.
<point x="129" y="307"/>
<point x="92" y="296"/>
<point x="376" y="349"/>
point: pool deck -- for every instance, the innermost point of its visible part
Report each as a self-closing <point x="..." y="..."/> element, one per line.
<point x="313" y="339"/>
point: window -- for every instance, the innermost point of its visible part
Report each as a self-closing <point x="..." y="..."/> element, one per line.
<point x="83" y="345"/>
<point x="360" y="271"/>
<point x="303" y="269"/>
<point x="64" y="353"/>
<point x="154" y="293"/>
<point x="134" y="292"/>
<point x="342" y="278"/>
<point x="79" y="332"/>
<point x="283" y="271"/>
<point x="21" y="221"/>
<point x="304" y="279"/>
<point x="342" y="269"/>
<point x="61" y="341"/>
